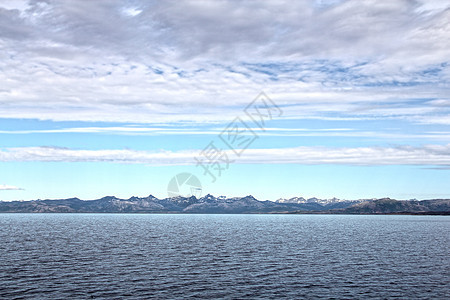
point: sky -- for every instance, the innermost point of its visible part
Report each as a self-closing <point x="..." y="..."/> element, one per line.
<point x="277" y="99"/>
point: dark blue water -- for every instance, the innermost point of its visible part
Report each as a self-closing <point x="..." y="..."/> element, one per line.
<point x="112" y="256"/>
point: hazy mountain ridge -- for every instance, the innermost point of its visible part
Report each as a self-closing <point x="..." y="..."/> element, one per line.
<point x="211" y="204"/>
<point x="387" y="205"/>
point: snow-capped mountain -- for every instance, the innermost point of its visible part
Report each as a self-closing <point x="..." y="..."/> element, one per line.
<point x="222" y="204"/>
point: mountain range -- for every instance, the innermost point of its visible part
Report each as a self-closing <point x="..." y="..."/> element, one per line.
<point x="237" y="205"/>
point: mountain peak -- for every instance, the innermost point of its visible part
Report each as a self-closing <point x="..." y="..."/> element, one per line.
<point x="208" y="198"/>
<point x="109" y="198"/>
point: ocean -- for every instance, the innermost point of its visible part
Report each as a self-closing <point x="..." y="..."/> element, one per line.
<point x="177" y="256"/>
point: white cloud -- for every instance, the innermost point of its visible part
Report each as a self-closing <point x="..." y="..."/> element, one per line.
<point x="4" y="187"/>
<point x="270" y="131"/>
<point x="20" y="5"/>
<point x="203" y="61"/>
<point x="131" y="11"/>
<point x="429" y="155"/>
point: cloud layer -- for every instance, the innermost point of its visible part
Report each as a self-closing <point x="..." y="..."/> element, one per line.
<point x="167" y="61"/>
<point x="430" y="155"/>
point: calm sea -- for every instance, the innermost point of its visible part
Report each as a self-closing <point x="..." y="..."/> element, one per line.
<point x="114" y="256"/>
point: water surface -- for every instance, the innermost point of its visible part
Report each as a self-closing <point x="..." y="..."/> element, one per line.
<point x="136" y="256"/>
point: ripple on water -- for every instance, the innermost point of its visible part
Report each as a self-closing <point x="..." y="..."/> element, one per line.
<point x="107" y="256"/>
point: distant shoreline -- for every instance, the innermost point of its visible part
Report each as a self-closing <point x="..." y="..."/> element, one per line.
<point x="445" y="213"/>
<point x="236" y="205"/>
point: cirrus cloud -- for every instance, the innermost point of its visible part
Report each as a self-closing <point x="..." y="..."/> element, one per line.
<point x="428" y="155"/>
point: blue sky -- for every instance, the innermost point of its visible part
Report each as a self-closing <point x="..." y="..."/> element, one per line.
<point x="117" y="97"/>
